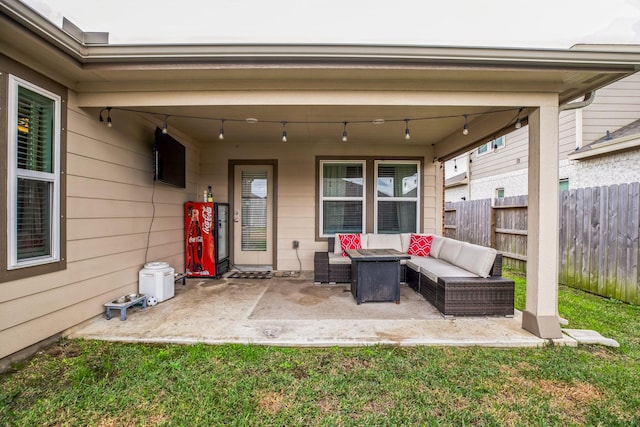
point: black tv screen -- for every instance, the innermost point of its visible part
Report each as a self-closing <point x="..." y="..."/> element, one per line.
<point x="169" y="159"/>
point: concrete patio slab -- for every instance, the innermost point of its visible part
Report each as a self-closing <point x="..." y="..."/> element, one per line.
<point x="286" y="311"/>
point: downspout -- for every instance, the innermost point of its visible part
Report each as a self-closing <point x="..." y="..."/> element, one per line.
<point x="588" y="99"/>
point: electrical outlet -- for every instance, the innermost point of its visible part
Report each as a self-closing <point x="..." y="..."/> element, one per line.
<point x="296" y="244"/>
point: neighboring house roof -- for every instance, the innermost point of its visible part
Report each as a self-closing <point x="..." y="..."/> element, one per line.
<point x="624" y="139"/>
<point x="459" y="179"/>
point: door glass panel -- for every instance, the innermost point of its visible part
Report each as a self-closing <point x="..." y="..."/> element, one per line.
<point x="254" y="211"/>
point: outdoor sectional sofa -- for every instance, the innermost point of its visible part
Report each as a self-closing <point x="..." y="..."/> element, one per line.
<point x="458" y="278"/>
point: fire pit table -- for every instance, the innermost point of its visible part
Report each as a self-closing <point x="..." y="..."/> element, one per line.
<point x="375" y="274"/>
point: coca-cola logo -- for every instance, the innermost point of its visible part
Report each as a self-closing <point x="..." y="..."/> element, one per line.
<point x="207" y="219"/>
<point x="195" y="239"/>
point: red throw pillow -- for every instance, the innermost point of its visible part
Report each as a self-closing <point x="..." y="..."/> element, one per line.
<point x="420" y="245"/>
<point x="349" y="241"/>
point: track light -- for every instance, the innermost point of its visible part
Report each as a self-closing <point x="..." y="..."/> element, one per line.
<point x="465" y="129"/>
<point x="344" y="132"/>
<point x="221" y="133"/>
<point x="284" y="131"/>
<point x="109" y="122"/>
<point x="518" y="123"/>
<point x="407" y="135"/>
<point x="164" y="125"/>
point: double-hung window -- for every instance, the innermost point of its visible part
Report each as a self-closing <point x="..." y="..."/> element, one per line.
<point x="369" y="195"/>
<point x="33" y="178"/>
<point x="342" y="197"/>
<point x="396" y="196"/>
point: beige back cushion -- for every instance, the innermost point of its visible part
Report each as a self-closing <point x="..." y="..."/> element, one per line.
<point x="476" y="259"/>
<point x="450" y="250"/>
<point x="384" y="241"/>
<point x="405" y="241"/>
<point x="436" y="246"/>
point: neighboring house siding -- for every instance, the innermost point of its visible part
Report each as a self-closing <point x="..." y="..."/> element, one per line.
<point x="514" y="184"/>
<point x="614" y="107"/>
<point x="109" y="190"/>
<point x="455" y="194"/>
<point x="567" y="132"/>
<point x="512" y="157"/>
<point x="609" y="170"/>
<point x="297" y="186"/>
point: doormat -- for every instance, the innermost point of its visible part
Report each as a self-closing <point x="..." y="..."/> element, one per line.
<point x="251" y="275"/>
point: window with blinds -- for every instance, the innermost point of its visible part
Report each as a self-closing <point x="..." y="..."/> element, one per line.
<point x="342" y="194"/>
<point x="33" y="175"/>
<point x="254" y="211"/>
<point x="397" y="191"/>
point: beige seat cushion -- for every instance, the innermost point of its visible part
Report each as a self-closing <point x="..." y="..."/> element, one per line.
<point x="434" y="268"/>
<point x="339" y="259"/>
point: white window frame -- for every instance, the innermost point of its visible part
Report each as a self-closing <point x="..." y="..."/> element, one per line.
<point x="489" y="146"/>
<point x="362" y="198"/>
<point x="14" y="173"/>
<point x="392" y="199"/>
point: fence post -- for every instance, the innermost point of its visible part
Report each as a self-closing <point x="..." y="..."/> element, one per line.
<point x="492" y="230"/>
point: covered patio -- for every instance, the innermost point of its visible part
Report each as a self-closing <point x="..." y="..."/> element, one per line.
<point x="292" y="311"/>
<point x="290" y="110"/>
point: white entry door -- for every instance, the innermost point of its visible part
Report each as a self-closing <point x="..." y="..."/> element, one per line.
<point x="252" y="216"/>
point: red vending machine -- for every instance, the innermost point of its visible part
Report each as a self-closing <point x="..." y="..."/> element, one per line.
<point x="200" y="257"/>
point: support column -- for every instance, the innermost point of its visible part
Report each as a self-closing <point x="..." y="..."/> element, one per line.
<point x="541" y="314"/>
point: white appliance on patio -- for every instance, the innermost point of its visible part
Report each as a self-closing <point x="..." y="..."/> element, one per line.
<point x="157" y="279"/>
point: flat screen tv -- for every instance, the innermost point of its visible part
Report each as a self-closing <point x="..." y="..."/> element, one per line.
<point x="169" y="160"/>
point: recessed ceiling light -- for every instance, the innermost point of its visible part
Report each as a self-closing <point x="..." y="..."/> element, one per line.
<point x="378" y="121"/>
<point x="251" y="120"/>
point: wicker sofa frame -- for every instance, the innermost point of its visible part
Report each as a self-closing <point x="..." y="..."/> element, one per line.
<point x="452" y="296"/>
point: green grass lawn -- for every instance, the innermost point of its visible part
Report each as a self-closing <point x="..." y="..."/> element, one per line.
<point x="97" y="383"/>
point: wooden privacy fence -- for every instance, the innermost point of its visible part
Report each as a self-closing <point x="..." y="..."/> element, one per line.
<point x="498" y="223"/>
<point x="599" y="236"/>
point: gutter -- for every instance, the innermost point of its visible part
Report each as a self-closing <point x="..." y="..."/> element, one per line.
<point x="590" y="57"/>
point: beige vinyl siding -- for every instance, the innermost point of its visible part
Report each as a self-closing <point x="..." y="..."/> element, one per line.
<point x="615" y="106"/>
<point x="296" y="186"/>
<point x="567" y="132"/>
<point x="109" y="210"/>
<point x="513" y="156"/>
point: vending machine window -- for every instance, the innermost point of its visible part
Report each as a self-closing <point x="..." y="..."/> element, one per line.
<point x="222" y="238"/>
